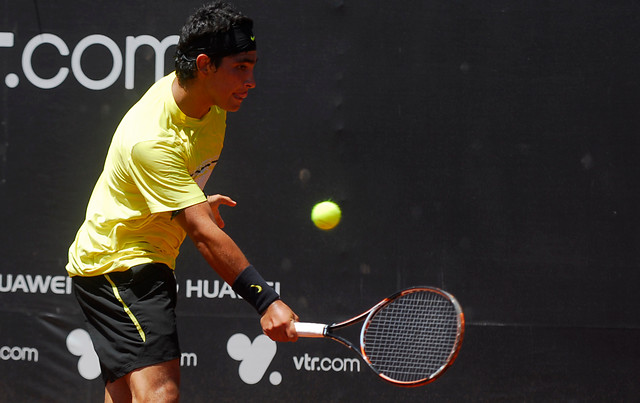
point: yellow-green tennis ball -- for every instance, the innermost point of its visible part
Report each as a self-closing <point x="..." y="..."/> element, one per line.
<point x="326" y="215"/>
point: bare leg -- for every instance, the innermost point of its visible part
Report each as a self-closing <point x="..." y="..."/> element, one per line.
<point x="155" y="383"/>
<point x="117" y="391"/>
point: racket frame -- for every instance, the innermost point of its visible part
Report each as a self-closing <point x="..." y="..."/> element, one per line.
<point x="305" y="329"/>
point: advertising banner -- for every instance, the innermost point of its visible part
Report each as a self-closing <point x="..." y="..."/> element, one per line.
<point x="485" y="148"/>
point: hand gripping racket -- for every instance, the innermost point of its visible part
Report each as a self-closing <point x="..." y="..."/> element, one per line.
<point x="408" y="339"/>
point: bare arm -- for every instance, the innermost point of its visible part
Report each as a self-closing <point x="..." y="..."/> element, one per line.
<point x="218" y="249"/>
<point x="226" y="258"/>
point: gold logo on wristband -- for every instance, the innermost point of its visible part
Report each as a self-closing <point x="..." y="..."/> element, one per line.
<point x="259" y="288"/>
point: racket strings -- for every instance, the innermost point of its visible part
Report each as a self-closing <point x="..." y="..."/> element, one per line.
<point x="413" y="337"/>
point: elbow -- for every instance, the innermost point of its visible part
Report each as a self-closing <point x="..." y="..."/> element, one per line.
<point x="204" y="236"/>
<point x="201" y="235"/>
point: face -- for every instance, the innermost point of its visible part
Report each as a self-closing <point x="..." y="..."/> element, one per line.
<point x="229" y="84"/>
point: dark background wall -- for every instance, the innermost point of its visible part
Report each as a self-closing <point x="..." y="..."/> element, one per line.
<point x="488" y="148"/>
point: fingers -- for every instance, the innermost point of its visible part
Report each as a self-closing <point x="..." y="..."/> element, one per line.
<point x="278" y="322"/>
<point x="216" y="216"/>
<point x="218" y="219"/>
<point x="228" y="201"/>
<point x="284" y="333"/>
<point x="291" y="333"/>
<point x="221" y="199"/>
<point x="214" y="202"/>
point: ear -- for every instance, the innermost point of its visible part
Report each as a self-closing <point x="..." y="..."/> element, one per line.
<point x="203" y="63"/>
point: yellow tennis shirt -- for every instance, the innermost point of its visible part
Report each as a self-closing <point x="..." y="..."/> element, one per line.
<point x="158" y="162"/>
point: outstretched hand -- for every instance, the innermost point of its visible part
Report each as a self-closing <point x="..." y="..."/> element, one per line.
<point x="278" y="322"/>
<point x="214" y="202"/>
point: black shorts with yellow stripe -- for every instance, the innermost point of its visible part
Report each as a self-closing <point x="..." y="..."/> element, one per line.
<point x="131" y="317"/>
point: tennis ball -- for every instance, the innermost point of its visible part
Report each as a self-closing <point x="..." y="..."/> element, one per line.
<point x="326" y="215"/>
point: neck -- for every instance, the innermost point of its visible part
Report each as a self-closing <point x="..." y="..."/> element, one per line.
<point x="189" y="101"/>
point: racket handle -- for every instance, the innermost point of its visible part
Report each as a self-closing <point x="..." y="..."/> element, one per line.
<point x="306" y="329"/>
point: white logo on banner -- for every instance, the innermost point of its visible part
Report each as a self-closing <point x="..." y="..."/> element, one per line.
<point x="254" y="357"/>
<point x="35" y="284"/>
<point x="120" y="59"/>
<point x="19" y="353"/>
<point x="79" y="344"/>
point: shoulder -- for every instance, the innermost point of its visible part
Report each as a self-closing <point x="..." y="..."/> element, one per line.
<point x="150" y="118"/>
<point x="156" y="101"/>
<point x="157" y="152"/>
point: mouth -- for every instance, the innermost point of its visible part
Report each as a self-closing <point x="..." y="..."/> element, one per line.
<point x="240" y="96"/>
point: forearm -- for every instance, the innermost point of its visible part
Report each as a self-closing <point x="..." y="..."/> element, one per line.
<point x="234" y="268"/>
<point x="226" y="258"/>
<point x="218" y="249"/>
<point x="222" y="254"/>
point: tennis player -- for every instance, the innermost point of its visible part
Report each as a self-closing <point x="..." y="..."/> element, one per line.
<point x="150" y="196"/>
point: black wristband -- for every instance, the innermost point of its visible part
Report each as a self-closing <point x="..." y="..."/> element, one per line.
<point x="252" y="288"/>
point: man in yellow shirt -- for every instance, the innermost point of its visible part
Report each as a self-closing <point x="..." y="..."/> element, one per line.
<point x="149" y="198"/>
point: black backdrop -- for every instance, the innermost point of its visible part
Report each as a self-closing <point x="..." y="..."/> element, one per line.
<point x="488" y="148"/>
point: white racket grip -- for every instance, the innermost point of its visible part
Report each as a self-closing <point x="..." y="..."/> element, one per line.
<point x="306" y="329"/>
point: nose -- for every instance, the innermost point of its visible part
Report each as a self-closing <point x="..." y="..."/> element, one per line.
<point x="250" y="81"/>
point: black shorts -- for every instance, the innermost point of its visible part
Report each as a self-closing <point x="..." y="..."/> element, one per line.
<point x="131" y="317"/>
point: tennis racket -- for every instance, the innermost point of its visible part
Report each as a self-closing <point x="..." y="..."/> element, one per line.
<point x="408" y="339"/>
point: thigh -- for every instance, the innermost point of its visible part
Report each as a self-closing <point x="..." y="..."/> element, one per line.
<point x="156" y="383"/>
<point x="117" y="391"/>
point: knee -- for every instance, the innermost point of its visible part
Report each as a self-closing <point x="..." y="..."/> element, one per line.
<point x="156" y="383"/>
<point x="164" y="392"/>
<point x="167" y="392"/>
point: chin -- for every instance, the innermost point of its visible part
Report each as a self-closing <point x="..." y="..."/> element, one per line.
<point x="232" y="108"/>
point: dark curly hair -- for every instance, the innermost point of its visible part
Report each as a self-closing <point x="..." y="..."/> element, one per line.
<point x="213" y="18"/>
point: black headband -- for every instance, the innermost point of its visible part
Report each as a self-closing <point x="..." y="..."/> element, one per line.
<point x="238" y="39"/>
